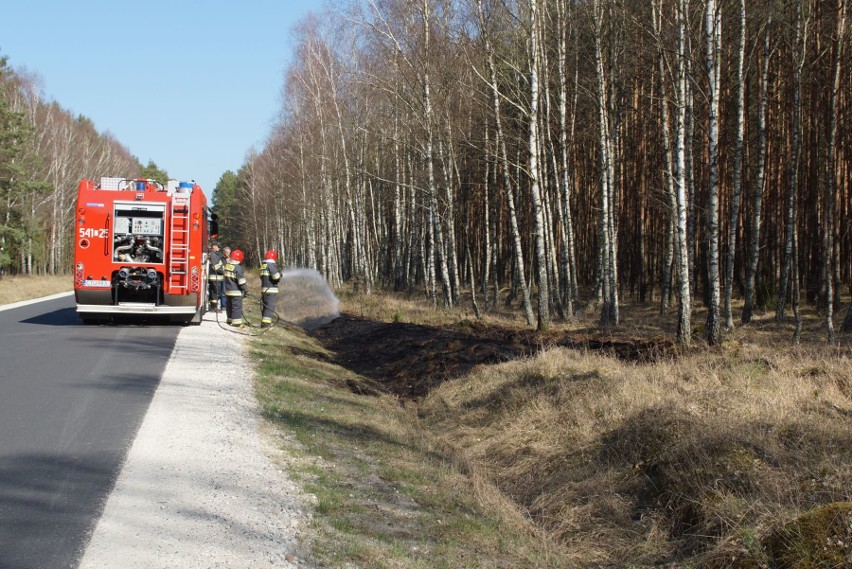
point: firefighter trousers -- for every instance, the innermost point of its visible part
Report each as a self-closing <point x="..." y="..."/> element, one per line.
<point x="268" y="299"/>
<point x="234" y="309"/>
<point x="213" y="293"/>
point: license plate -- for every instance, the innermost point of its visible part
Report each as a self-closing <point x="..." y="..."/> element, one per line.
<point x="103" y="284"/>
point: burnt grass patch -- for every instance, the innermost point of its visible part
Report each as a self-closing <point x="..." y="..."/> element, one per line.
<point x="663" y="481"/>
<point x="409" y="360"/>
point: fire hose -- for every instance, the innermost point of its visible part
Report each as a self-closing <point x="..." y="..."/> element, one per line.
<point x="276" y="318"/>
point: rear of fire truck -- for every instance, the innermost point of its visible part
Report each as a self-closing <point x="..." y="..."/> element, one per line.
<point x="140" y="250"/>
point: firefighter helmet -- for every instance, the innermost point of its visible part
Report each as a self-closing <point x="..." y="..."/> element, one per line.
<point x="271" y="255"/>
<point x="237" y="255"/>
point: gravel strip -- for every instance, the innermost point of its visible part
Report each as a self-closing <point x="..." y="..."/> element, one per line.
<point x="201" y="487"/>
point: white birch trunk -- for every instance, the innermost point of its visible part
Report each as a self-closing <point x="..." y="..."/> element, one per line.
<point x="607" y="260"/>
<point x="486" y="224"/>
<point x="668" y="154"/>
<point x="535" y="175"/>
<point x="566" y="182"/>
<point x="438" y="245"/>
<point x="738" y="172"/>
<point x="831" y="184"/>
<point x="754" y="252"/>
<point x="447" y="160"/>
<point x="684" y="328"/>
<point x="713" y="30"/>
<point x="504" y="159"/>
<point x="396" y="232"/>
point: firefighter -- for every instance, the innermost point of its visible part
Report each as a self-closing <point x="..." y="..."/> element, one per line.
<point x="269" y="277"/>
<point x="215" y="276"/>
<point x="235" y="288"/>
<point x="226" y="257"/>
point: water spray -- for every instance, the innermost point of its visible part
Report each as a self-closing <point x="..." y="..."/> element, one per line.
<point x="304" y="299"/>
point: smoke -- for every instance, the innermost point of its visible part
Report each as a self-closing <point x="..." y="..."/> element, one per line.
<point x="304" y="298"/>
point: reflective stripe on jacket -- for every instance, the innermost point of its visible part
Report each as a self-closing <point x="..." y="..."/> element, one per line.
<point x="216" y="266"/>
<point x="235" y="280"/>
<point x="269" y="276"/>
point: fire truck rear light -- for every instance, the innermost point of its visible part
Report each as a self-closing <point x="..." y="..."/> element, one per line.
<point x="152" y="275"/>
<point x="79" y="266"/>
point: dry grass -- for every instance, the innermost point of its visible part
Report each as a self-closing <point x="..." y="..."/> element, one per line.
<point x="656" y="463"/>
<point x="387" y="492"/>
<point x="703" y="459"/>
<point x="18" y="288"/>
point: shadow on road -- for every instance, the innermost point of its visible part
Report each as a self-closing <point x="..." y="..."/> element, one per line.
<point x="61" y="317"/>
<point x="69" y="317"/>
<point x="48" y="507"/>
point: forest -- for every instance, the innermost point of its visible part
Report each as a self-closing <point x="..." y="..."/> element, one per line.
<point x="44" y="152"/>
<point x="559" y="155"/>
<point x="565" y="155"/>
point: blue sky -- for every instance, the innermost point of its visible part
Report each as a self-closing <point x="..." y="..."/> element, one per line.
<point x="191" y="85"/>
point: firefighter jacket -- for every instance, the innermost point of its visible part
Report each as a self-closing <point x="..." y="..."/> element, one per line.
<point x="235" y="279"/>
<point x="269" y="277"/>
<point x="215" y="266"/>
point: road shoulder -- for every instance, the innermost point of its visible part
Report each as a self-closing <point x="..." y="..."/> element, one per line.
<point x="199" y="487"/>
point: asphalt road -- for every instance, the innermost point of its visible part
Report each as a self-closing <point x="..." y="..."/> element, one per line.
<point x="72" y="398"/>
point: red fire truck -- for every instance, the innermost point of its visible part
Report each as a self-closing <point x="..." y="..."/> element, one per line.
<point x="140" y="250"/>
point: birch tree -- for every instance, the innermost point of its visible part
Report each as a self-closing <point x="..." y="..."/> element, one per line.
<point x="566" y="134"/>
<point x="831" y="172"/>
<point x="800" y="43"/>
<point x="713" y="32"/>
<point x="496" y="98"/>
<point x="757" y="203"/>
<point x="684" y="326"/>
<point x="738" y="170"/>
<point x="668" y="154"/>
<point x="535" y="173"/>
<point x="607" y="258"/>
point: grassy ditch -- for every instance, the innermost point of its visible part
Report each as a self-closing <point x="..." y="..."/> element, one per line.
<point x="692" y="463"/>
<point x="18" y="288"/>
<point x="388" y="492"/>
<point x="563" y="450"/>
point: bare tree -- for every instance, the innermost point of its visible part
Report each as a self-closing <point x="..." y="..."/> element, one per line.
<point x="566" y="182"/>
<point x="504" y="160"/>
<point x="608" y="268"/>
<point x="713" y="31"/>
<point x="793" y="179"/>
<point x="757" y="211"/>
<point x="831" y="173"/>
<point x="684" y="327"/>
<point x="535" y="172"/>
<point x="738" y="170"/>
